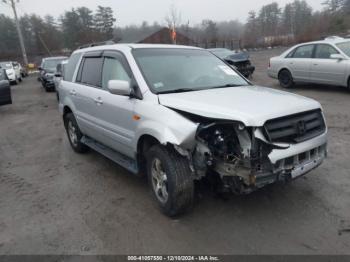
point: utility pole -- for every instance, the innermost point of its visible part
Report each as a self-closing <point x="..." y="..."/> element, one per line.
<point x="20" y="36"/>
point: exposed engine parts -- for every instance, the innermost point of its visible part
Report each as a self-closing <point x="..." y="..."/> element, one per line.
<point x="231" y="151"/>
<point x="222" y="142"/>
<point x="223" y="148"/>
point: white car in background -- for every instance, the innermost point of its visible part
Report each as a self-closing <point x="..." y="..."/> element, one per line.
<point x="321" y="62"/>
<point x="13" y="71"/>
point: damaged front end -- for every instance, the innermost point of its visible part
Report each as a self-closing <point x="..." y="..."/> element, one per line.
<point x="231" y="151"/>
<point x="239" y="156"/>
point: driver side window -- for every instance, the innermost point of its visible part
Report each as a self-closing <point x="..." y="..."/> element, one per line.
<point x="113" y="69"/>
<point x="325" y="51"/>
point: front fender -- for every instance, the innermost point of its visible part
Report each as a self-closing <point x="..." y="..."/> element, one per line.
<point x="166" y="125"/>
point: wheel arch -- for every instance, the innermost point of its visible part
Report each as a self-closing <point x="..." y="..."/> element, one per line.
<point x="144" y="143"/>
<point x="66" y="110"/>
<point x="282" y="69"/>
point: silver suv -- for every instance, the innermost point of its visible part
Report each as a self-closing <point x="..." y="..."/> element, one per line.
<point x="180" y="114"/>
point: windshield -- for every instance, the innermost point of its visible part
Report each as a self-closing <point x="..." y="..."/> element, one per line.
<point x="52" y="63"/>
<point x="174" y="70"/>
<point x="6" y="65"/>
<point x="345" y="47"/>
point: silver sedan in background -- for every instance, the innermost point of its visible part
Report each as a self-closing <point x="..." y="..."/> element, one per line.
<point x="321" y="62"/>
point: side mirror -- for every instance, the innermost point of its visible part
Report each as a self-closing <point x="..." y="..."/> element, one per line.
<point x="337" y="56"/>
<point x="40" y="68"/>
<point x="119" y="87"/>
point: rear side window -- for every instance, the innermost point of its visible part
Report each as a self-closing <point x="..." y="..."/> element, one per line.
<point x="91" y="71"/>
<point x="69" y="69"/>
<point x="304" y="51"/>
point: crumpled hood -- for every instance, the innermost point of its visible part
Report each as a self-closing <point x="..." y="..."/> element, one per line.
<point x="251" y="105"/>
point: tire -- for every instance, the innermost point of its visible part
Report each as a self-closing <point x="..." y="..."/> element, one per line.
<point x="174" y="191"/>
<point x="20" y="79"/>
<point x="286" y="79"/>
<point x="74" y="134"/>
<point x="349" y="84"/>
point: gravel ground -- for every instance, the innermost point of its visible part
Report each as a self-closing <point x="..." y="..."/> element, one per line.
<point x="53" y="201"/>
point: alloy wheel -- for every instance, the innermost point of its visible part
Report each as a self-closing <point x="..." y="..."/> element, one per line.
<point x="159" y="181"/>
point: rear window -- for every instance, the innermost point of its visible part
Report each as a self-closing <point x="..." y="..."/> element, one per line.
<point x="69" y="68"/>
<point x="91" y="71"/>
<point x="304" y="51"/>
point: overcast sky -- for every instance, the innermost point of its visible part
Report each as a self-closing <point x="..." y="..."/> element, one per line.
<point x="135" y="11"/>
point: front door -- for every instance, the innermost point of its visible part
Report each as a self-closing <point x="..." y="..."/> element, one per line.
<point x="326" y="70"/>
<point x="115" y="112"/>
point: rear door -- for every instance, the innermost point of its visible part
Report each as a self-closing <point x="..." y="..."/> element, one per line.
<point x="300" y="62"/>
<point x="325" y="70"/>
<point x="84" y="92"/>
<point x="5" y="89"/>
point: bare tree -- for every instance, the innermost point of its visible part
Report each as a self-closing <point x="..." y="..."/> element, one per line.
<point x="173" y="18"/>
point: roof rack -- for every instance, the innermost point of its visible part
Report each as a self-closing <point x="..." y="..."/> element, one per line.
<point x="109" y="42"/>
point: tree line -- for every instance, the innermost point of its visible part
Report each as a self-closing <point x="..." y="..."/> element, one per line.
<point x="49" y="36"/>
<point x="296" y="22"/>
<point x="271" y="25"/>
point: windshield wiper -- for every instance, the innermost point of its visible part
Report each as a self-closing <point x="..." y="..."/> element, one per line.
<point x="180" y="90"/>
<point x="223" y="86"/>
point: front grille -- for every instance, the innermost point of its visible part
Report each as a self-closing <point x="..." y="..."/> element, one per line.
<point x="295" y="128"/>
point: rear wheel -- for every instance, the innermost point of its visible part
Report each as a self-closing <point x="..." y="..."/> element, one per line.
<point x="74" y="134"/>
<point x="170" y="180"/>
<point x="286" y="79"/>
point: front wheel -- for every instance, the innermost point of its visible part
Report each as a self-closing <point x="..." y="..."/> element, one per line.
<point x="286" y="79"/>
<point x="170" y="180"/>
<point x="74" y="134"/>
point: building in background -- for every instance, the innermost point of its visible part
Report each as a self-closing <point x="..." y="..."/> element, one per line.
<point x="163" y="36"/>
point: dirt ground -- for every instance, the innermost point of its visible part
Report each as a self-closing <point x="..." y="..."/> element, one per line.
<point x="53" y="201"/>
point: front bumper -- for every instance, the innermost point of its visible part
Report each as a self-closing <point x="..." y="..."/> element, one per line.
<point x="49" y="83"/>
<point x="292" y="167"/>
<point x="246" y="70"/>
<point x="293" y="162"/>
<point x="11" y="78"/>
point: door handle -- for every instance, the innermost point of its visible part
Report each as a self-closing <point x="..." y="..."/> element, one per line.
<point x="98" y="101"/>
<point x="315" y="64"/>
<point x="73" y="92"/>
